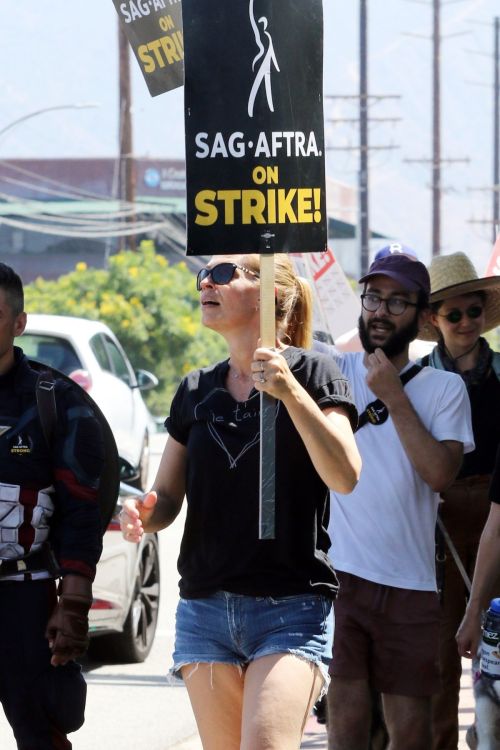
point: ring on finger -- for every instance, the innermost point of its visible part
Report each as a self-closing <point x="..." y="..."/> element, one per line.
<point x="262" y="379"/>
<point x="261" y="366"/>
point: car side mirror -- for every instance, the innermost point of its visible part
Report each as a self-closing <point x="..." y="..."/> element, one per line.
<point x="145" y="380"/>
<point x="127" y="472"/>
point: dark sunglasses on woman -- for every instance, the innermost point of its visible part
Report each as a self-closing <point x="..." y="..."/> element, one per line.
<point x="221" y="274"/>
<point x="455" y="316"/>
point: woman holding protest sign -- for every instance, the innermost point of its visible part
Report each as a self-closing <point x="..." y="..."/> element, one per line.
<point x="254" y="622"/>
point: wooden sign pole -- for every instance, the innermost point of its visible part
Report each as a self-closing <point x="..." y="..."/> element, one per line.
<point x="267" y="510"/>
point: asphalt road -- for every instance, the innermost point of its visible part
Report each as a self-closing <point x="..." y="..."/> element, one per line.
<point x="132" y="706"/>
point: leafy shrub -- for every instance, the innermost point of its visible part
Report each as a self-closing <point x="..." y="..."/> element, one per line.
<point x="150" y="305"/>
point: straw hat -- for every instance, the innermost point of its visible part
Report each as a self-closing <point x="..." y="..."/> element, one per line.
<point x="454" y="275"/>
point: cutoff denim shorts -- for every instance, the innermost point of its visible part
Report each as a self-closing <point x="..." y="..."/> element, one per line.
<point x="227" y="628"/>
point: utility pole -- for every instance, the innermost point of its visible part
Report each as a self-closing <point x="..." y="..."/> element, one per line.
<point x="364" y="147"/>
<point x="126" y="180"/>
<point x="495" y="188"/>
<point x="496" y="130"/>
<point x="436" y="129"/>
<point x="437" y="160"/>
<point x="364" y="224"/>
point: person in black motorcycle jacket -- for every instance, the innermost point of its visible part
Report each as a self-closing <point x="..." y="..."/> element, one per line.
<point x="50" y="528"/>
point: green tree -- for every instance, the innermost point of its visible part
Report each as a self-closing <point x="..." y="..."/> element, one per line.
<point x="152" y="307"/>
<point x="493" y="338"/>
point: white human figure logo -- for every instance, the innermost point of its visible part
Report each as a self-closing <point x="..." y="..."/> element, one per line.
<point x="268" y="59"/>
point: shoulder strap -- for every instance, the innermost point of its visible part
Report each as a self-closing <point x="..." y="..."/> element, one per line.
<point x="410" y="373"/>
<point x="109" y="484"/>
<point x="424" y="362"/>
<point x="46" y="403"/>
<point x="376" y="412"/>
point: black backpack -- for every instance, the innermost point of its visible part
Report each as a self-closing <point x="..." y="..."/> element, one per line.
<point x="109" y="484"/>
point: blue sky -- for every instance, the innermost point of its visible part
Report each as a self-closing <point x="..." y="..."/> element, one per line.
<point x="61" y="52"/>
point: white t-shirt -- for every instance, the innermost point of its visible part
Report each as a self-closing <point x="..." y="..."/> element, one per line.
<point x="383" y="531"/>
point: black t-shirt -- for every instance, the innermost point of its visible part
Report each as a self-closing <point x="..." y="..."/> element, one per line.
<point x="485" y="411"/>
<point x="495" y="481"/>
<point x="220" y="549"/>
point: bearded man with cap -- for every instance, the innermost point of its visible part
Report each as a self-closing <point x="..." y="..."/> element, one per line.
<point x="463" y="307"/>
<point x="411" y="441"/>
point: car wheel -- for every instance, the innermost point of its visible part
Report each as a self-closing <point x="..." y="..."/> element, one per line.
<point x="141" y="483"/>
<point x="135" y="642"/>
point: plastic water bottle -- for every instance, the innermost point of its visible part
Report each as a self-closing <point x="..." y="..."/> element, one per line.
<point x="490" y="645"/>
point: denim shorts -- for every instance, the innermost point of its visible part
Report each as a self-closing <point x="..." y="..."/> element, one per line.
<point x="227" y="628"/>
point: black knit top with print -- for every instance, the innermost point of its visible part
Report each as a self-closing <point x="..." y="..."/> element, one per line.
<point x="220" y="548"/>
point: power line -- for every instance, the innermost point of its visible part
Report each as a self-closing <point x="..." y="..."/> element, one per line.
<point x="34" y="188"/>
<point x="70" y="191"/>
<point x="113" y="231"/>
<point x="43" y="208"/>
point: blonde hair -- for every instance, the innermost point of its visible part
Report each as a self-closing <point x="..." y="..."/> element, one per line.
<point x="294" y="301"/>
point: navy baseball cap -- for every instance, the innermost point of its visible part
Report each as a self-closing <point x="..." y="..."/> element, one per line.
<point x="405" y="269"/>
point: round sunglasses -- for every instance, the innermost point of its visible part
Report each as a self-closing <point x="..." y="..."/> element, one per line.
<point x="455" y="316"/>
<point x="221" y="274"/>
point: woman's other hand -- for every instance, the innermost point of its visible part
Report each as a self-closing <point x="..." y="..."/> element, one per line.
<point x="135" y="514"/>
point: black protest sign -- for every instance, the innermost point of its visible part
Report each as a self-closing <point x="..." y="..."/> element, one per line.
<point x="254" y="126"/>
<point x="154" y="30"/>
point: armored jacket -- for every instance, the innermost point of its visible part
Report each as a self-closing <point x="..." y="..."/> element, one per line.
<point x="48" y="493"/>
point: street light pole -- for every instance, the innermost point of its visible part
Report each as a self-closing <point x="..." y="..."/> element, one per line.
<point x="82" y="105"/>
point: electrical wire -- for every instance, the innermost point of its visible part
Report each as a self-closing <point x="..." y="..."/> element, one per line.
<point x="70" y="190"/>
<point x="46" y="210"/>
<point x="131" y="229"/>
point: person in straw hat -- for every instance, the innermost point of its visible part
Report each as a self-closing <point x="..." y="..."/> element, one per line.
<point x="463" y="307"/>
<point x="413" y="429"/>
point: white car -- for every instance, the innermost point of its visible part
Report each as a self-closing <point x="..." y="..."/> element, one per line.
<point x="126" y="594"/>
<point x="89" y="352"/>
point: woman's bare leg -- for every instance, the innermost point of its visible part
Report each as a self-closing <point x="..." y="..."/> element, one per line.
<point x="216" y="695"/>
<point x="279" y="693"/>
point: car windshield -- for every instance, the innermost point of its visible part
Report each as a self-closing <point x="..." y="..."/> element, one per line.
<point x="52" y="351"/>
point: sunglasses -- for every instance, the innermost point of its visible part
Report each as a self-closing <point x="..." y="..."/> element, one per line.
<point x="221" y="274"/>
<point x="455" y="316"/>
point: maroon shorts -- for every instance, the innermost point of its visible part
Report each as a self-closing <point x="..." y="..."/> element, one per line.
<point x="386" y="635"/>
